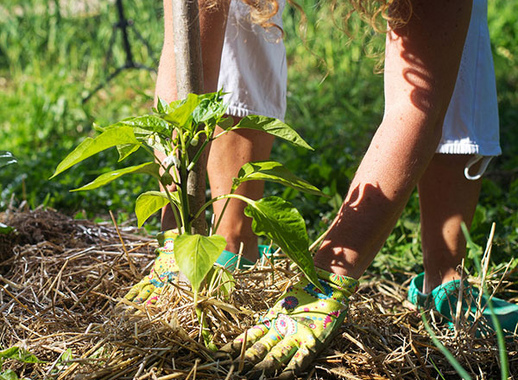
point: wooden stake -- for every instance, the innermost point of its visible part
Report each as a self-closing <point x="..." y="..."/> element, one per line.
<point x="189" y="79"/>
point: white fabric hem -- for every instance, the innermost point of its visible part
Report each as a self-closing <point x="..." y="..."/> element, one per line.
<point x="456" y="148"/>
<point x="238" y="111"/>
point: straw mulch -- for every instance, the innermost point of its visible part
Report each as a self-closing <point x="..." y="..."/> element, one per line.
<point x="61" y="282"/>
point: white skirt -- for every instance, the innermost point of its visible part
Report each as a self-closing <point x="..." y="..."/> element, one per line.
<point x="254" y="73"/>
<point x="253" y="65"/>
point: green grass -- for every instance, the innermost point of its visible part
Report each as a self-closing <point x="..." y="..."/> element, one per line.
<point x="44" y="80"/>
<point x="50" y="58"/>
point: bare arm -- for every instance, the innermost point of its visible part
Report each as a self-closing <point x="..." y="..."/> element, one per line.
<point x="422" y="61"/>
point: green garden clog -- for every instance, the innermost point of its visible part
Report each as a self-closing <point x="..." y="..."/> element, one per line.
<point x="444" y="299"/>
<point x="230" y="260"/>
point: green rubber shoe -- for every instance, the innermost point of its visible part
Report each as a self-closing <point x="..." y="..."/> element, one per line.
<point x="230" y="260"/>
<point x="444" y="299"/>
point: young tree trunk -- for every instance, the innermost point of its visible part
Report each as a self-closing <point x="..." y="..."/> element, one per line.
<point x="189" y="79"/>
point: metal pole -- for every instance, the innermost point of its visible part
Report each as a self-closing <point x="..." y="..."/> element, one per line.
<point x="189" y="79"/>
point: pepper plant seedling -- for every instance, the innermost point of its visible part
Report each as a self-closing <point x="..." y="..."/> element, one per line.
<point x="191" y="122"/>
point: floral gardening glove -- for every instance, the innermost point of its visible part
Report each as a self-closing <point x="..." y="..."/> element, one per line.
<point x="296" y="328"/>
<point x="164" y="271"/>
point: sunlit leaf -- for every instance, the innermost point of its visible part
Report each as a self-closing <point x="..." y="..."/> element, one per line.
<point x="150" y="202"/>
<point x="182" y="115"/>
<point x="109" y="138"/>
<point x="274" y="127"/>
<point x="148" y="122"/>
<point x="126" y="150"/>
<point x="19" y="354"/>
<point x="282" y="223"/>
<point x="151" y="168"/>
<point x="196" y="254"/>
<point x="210" y="108"/>
<point x="8" y="375"/>
<point x="273" y="172"/>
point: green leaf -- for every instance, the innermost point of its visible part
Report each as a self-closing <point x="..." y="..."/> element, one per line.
<point x="150" y="202"/>
<point x="282" y="223"/>
<point x="149" y="123"/>
<point x="66" y="356"/>
<point x="19" y="354"/>
<point x="182" y="115"/>
<point x="273" y="172"/>
<point x="210" y="108"/>
<point x="226" y="123"/>
<point x="6" y="158"/>
<point x="126" y="150"/>
<point x="164" y="107"/>
<point x="161" y="106"/>
<point x="8" y="375"/>
<point x="9" y="353"/>
<point x="274" y="127"/>
<point x="220" y="279"/>
<point x="5" y="230"/>
<point x="196" y="254"/>
<point x="109" y="138"/>
<point x="151" y="168"/>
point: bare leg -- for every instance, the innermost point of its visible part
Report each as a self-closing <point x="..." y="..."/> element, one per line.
<point x="447" y="199"/>
<point x="227" y="154"/>
<point x="212" y="29"/>
<point x="422" y="60"/>
<point x="226" y="157"/>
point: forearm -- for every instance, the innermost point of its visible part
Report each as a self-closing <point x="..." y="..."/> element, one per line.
<point x="422" y="60"/>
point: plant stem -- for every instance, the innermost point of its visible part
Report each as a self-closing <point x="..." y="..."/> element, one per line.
<point x="180" y="222"/>
<point x="184" y="196"/>
<point x="218" y="222"/>
<point x="178" y="218"/>
<point x="198" y="154"/>
<point x="224" y="133"/>
<point x="236" y="196"/>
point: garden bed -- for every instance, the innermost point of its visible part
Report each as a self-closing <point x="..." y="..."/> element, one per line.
<point x="61" y="284"/>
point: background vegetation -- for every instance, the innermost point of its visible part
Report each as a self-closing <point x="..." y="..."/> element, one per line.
<point x="54" y="53"/>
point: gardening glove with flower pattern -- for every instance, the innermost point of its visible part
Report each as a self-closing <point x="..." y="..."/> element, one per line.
<point x="296" y="328"/>
<point x="164" y="271"/>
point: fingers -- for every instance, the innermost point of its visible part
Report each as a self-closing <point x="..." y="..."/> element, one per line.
<point x="145" y="293"/>
<point x="134" y="291"/>
<point x="233" y="349"/>
<point x="275" y="358"/>
<point x="153" y="297"/>
<point x="298" y="350"/>
<point x="299" y="362"/>
<point x="260" y="349"/>
<point x="268" y="351"/>
<point x="287" y="351"/>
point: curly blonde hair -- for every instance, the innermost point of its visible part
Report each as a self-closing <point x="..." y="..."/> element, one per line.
<point x="375" y="12"/>
<point x="261" y="11"/>
<point x="379" y="13"/>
